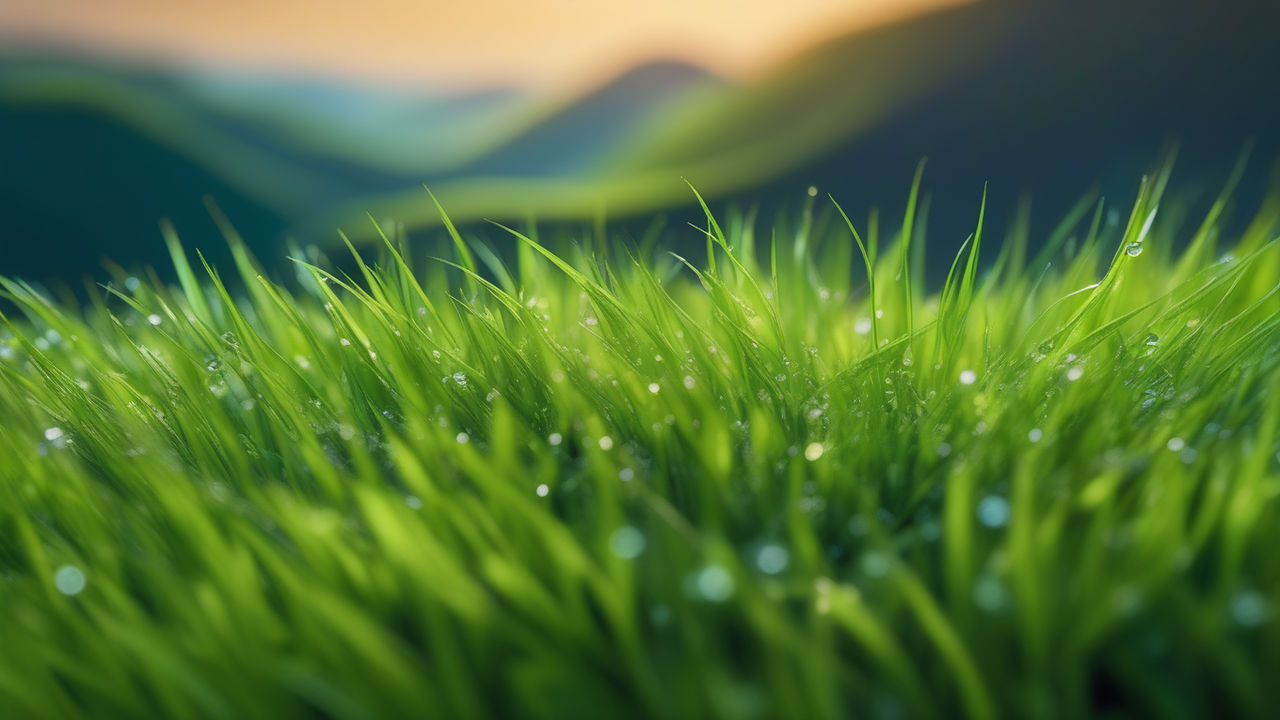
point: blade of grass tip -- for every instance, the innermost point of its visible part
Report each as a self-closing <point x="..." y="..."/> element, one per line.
<point x="1201" y="245"/>
<point x="904" y="250"/>
<point x="947" y="299"/>
<point x="186" y="277"/>
<point x="715" y="234"/>
<point x="919" y="250"/>
<point x="773" y="261"/>
<point x="411" y="281"/>
<point x="871" y="274"/>
<point x="371" y="279"/>
<point x="497" y="267"/>
<point x="1068" y="223"/>
<point x="464" y="253"/>
<point x="971" y="265"/>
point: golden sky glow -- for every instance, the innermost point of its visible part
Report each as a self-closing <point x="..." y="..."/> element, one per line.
<point x="454" y="43"/>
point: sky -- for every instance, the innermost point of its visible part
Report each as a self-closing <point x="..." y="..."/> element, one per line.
<point x="458" y="44"/>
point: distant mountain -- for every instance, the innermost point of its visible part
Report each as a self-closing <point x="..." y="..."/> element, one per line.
<point x="77" y="187"/>
<point x="1050" y="96"/>
<point x="592" y="128"/>
<point x="283" y="151"/>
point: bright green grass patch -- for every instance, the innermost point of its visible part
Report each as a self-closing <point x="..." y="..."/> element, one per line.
<point x="566" y="487"/>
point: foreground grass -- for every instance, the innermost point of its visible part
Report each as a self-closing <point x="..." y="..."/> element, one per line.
<point x="582" y="488"/>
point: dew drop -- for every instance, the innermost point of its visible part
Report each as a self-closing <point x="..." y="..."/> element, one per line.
<point x="654" y="388"/>
<point x="1133" y="249"/>
<point x="1248" y="608"/>
<point x="542" y="490"/>
<point x="772" y="559"/>
<point x="994" y="511"/>
<point x="713" y="583"/>
<point x="627" y="542"/>
<point x="968" y="377"/>
<point x="69" y="580"/>
<point x="874" y="564"/>
<point x="555" y="438"/>
<point x="813" y="451"/>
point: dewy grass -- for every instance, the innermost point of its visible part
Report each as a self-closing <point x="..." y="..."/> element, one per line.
<point x="646" y="487"/>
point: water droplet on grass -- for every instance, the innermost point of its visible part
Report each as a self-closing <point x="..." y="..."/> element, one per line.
<point x="53" y="433"/>
<point x="1075" y="373"/>
<point x="1133" y="249"/>
<point x="994" y="511"/>
<point x="968" y="377"/>
<point x="69" y="580"/>
<point x="1176" y="444"/>
<point x="813" y="451"/>
<point x="1248" y="608"/>
<point x="1035" y="435"/>
<point x="626" y="474"/>
<point x="153" y="319"/>
<point x="713" y="583"/>
<point x="542" y="490"/>
<point x="654" y="388"/>
<point x="555" y="438"/>
<point x="862" y="325"/>
<point x="874" y="564"/>
<point x="627" y="542"/>
<point x="772" y="559"/>
<point x="606" y="443"/>
<point x="989" y="594"/>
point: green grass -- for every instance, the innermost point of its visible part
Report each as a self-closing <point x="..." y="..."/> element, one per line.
<point x="603" y="483"/>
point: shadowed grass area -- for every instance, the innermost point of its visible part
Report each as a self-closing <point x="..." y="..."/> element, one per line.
<point x="603" y="484"/>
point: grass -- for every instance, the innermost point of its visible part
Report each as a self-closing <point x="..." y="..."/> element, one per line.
<point x="612" y="483"/>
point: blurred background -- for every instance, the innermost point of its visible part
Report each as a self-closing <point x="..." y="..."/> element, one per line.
<point x="300" y="117"/>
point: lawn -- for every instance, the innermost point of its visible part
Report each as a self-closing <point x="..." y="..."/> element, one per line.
<point x="558" y="478"/>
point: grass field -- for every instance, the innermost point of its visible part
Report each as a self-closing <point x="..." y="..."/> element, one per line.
<point x="606" y="482"/>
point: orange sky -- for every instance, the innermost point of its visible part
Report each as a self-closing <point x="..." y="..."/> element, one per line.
<point x="456" y="43"/>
